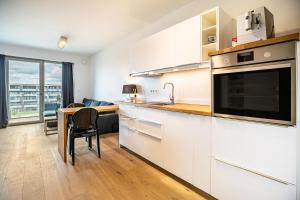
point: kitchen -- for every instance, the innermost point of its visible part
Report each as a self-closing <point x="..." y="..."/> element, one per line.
<point x="131" y="99"/>
<point x="211" y="152"/>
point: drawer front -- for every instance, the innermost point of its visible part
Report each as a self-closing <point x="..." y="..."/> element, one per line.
<point x="233" y="183"/>
<point x="265" y="148"/>
<point x="150" y="128"/>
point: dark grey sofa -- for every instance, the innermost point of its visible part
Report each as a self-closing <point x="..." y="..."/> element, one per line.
<point x="108" y="122"/>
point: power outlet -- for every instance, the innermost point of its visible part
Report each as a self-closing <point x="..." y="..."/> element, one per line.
<point x="154" y="91"/>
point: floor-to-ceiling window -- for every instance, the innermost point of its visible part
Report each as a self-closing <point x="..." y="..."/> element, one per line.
<point x="52" y="88"/>
<point x="34" y="89"/>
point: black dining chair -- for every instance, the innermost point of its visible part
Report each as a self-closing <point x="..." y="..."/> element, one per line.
<point x="84" y="124"/>
<point x="73" y="105"/>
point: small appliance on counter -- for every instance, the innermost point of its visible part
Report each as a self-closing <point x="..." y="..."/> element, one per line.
<point x="257" y="24"/>
<point x="130" y="89"/>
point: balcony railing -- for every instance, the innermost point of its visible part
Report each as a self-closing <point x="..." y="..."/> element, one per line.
<point x="23" y="107"/>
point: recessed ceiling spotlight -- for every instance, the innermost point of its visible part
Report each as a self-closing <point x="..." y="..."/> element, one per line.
<point x="63" y="40"/>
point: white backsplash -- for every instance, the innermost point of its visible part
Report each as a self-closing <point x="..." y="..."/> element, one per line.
<point x="190" y="87"/>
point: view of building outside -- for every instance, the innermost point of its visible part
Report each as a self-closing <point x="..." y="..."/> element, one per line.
<point x="24" y="88"/>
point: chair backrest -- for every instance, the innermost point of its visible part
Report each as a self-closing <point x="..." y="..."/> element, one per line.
<point x="85" y="118"/>
<point x="75" y="105"/>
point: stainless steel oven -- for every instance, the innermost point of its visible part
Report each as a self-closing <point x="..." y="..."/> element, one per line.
<point x="257" y="84"/>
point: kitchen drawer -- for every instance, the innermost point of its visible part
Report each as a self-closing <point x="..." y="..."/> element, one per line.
<point x="150" y="128"/>
<point x="229" y="182"/>
<point x="127" y="110"/>
<point x="150" y="147"/>
<point x="269" y="149"/>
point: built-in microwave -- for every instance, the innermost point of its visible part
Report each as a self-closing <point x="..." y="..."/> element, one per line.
<point x="257" y="84"/>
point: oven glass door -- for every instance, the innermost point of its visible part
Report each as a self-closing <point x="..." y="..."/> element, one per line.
<point x="258" y="94"/>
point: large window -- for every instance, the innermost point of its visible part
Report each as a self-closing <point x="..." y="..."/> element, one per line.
<point x="34" y="89"/>
<point x="52" y="88"/>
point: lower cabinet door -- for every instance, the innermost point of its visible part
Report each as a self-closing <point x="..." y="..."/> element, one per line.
<point x="123" y="131"/>
<point x="123" y="134"/>
<point x="150" y="147"/>
<point x="233" y="183"/>
<point x="150" y="128"/>
<point x="178" y="145"/>
<point x="202" y="152"/>
<point x="134" y="141"/>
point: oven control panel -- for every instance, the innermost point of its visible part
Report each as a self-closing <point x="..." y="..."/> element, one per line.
<point x="275" y="52"/>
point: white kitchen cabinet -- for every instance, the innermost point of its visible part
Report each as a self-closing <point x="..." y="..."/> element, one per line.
<point x="232" y="183"/>
<point x="151" y="133"/>
<point x="141" y="130"/>
<point x="142" y="55"/>
<point x="178" y="142"/>
<point x="127" y="126"/>
<point x="268" y="149"/>
<point x="260" y="160"/>
<point x="187" y="41"/>
<point x="162" y="49"/>
<point x="178" y="145"/>
<point x="174" y="46"/>
<point x="184" y="43"/>
<point x="123" y="131"/>
<point x="187" y="148"/>
<point x="156" y="51"/>
<point x="202" y="151"/>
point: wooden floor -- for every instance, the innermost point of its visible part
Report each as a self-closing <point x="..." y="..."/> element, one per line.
<point x="31" y="168"/>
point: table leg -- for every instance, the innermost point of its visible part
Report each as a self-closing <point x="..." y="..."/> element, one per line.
<point x="62" y="135"/>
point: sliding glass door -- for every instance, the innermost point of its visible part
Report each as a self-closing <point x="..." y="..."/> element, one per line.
<point x="24" y="91"/>
<point x="34" y="90"/>
<point x="52" y="88"/>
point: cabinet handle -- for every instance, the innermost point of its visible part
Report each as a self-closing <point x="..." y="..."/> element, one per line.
<point x="131" y="129"/>
<point x="126" y="117"/>
<point x="149" y="134"/>
<point x="151" y="122"/>
<point x="253" y="171"/>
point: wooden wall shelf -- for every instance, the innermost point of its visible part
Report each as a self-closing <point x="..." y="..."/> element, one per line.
<point x="290" y="37"/>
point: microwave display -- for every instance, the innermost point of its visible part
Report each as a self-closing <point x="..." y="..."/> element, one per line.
<point x="259" y="94"/>
<point x="246" y="56"/>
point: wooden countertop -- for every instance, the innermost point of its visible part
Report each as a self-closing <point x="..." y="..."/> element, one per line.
<point x="196" y="109"/>
<point x="68" y="111"/>
<point x="290" y="37"/>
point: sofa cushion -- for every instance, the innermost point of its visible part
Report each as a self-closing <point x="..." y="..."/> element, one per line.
<point x="95" y="103"/>
<point x="105" y="103"/>
<point x="90" y="102"/>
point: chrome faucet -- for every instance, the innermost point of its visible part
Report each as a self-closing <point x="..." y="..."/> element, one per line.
<point x="172" y="95"/>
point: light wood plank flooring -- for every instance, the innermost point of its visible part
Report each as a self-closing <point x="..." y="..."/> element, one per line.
<point x="31" y="168"/>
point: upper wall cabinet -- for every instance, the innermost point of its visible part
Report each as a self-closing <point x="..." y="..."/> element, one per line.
<point x="187" y="42"/>
<point x="154" y="52"/>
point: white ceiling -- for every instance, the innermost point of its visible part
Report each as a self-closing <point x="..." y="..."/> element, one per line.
<point x="90" y="24"/>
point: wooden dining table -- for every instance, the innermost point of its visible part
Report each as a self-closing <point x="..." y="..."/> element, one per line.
<point x="62" y="120"/>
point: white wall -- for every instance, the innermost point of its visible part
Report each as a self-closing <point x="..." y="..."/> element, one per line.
<point x="112" y="65"/>
<point x="81" y="71"/>
<point x="298" y="120"/>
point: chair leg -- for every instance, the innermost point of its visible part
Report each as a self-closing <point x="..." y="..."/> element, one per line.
<point x="98" y="146"/>
<point x="90" y="142"/>
<point x="69" y="142"/>
<point x="73" y="150"/>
